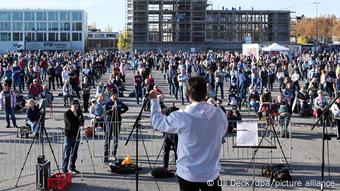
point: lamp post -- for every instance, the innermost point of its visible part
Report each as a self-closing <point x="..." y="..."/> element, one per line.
<point x="316" y="2"/>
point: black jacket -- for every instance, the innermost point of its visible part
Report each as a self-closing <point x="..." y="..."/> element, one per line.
<point x="72" y="123"/>
<point x="122" y="108"/>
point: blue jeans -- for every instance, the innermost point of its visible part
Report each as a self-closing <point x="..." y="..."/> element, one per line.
<point x="183" y="92"/>
<point x="43" y="73"/>
<point x="70" y="150"/>
<point x="112" y="127"/>
<point x="139" y="93"/>
<point x="10" y="112"/>
<point x="255" y="82"/>
<point x="17" y="82"/>
<point x="255" y="105"/>
<point x="171" y="87"/>
<point x="35" y="126"/>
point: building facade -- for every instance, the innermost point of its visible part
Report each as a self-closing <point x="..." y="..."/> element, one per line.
<point x="39" y="29"/>
<point x="102" y="40"/>
<point x="189" y="24"/>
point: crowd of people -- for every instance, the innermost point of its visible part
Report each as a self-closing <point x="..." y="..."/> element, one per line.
<point x="304" y="84"/>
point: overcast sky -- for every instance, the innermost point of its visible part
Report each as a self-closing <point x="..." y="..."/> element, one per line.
<point x="112" y="12"/>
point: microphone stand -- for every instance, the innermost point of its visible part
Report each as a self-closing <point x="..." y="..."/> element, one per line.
<point x="324" y="137"/>
<point x="136" y="127"/>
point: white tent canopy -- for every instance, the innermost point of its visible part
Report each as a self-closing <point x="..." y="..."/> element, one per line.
<point x="275" y="47"/>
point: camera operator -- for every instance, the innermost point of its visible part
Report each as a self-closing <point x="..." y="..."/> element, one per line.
<point x="115" y="110"/>
<point x="73" y="119"/>
<point x="200" y="128"/>
<point x="170" y="139"/>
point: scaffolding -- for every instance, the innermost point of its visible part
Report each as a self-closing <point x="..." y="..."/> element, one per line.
<point x="185" y="24"/>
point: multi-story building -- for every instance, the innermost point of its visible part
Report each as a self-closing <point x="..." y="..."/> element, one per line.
<point x="102" y="40"/>
<point x="188" y="24"/>
<point x="40" y="29"/>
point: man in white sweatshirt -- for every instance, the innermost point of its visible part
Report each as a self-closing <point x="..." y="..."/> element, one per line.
<point x="200" y="128"/>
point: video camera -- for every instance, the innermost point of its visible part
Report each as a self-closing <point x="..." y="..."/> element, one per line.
<point x="171" y="109"/>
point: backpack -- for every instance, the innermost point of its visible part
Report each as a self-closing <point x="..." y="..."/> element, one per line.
<point x="278" y="173"/>
<point x="162" y="172"/>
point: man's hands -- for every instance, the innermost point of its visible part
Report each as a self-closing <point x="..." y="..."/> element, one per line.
<point x="152" y="94"/>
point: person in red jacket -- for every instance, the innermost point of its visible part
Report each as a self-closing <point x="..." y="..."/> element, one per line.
<point x="35" y="89"/>
<point x="44" y="66"/>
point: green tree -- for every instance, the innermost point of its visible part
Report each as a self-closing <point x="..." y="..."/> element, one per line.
<point x="121" y="45"/>
<point x="124" y="41"/>
<point x="302" y="40"/>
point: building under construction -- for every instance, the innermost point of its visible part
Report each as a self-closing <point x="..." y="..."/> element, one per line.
<point x="191" y="25"/>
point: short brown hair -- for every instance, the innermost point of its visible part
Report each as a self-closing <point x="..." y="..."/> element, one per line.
<point x="197" y="88"/>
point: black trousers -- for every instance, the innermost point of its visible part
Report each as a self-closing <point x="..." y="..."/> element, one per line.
<point x="86" y="98"/>
<point x="59" y="80"/>
<point x="185" y="185"/>
<point x="51" y="83"/>
<point x="170" y="140"/>
<point x="115" y="129"/>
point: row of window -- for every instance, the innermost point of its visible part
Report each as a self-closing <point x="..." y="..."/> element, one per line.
<point x="40" y="26"/>
<point x="40" y="16"/>
<point x="29" y="36"/>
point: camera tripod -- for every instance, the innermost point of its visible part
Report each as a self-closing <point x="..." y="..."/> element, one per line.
<point x="80" y="136"/>
<point x="42" y="132"/>
<point x="137" y="128"/>
<point x="270" y="125"/>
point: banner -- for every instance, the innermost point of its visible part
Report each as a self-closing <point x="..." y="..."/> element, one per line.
<point x="251" y="49"/>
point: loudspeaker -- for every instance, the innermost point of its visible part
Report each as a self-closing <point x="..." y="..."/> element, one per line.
<point x="162" y="172"/>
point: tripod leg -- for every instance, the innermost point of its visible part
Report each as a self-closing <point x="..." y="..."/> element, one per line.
<point x="159" y="154"/>
<point x="284" y="156"/>
<point x="23" y="166"/>
<point x="49" y="143"/>
<point x="88" y="146"/>
<point x="255" y="151"/>
<point x="146" y="153"/>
